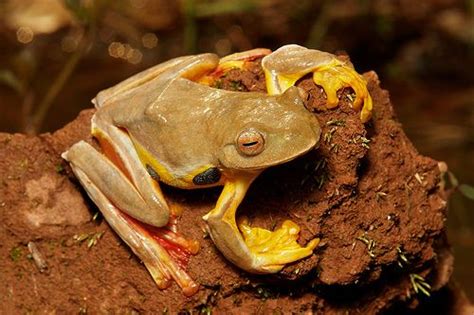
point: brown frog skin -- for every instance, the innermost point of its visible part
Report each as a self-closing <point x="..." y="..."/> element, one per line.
<point x="161" y="126"/>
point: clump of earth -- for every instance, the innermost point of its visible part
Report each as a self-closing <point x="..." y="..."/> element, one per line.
<point x="377" y="205"/>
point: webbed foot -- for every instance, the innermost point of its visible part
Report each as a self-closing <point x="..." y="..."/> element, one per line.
<point x="285" y="66"/>
<point x="274" y="249"/>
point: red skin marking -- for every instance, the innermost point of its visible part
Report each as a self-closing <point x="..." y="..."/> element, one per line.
<point x="177" y="251"/>
<point x="111" y="154"/>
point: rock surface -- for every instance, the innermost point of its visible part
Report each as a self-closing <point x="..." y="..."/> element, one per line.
<point x="378" y="206"/>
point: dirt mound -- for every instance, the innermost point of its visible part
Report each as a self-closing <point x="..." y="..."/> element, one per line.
<point x="377" y="205"/>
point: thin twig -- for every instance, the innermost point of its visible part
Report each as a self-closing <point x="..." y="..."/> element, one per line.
<point x="190" y="26"/>
<point x="43" y="107"/>
<point x="320" y="26"/>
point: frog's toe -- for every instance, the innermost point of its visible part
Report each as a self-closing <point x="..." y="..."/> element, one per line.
<point x="272" y="250"/>
<point x="234" y="61"/>
<point x="337" y="75"/>
<point x="164" y="252"/>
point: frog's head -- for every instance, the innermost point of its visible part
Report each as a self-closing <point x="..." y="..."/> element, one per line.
<point x="268" y="130"/>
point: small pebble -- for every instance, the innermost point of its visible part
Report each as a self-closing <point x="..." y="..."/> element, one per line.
<point x="38" y="258"/>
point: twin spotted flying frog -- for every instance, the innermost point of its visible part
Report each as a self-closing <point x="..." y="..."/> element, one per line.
<point x="168" y="125"/>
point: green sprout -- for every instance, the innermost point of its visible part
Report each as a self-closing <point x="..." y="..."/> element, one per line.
<point x="328" y="135"/>
<point x="380" y="195"/>
<point x="237" y="85"/>
<point x="16" y="253"/>
<point x="336" y="122"/>
<point x="206" y="310"/>
<point x="59" y="168"/>
<point x="264" y="293"/>
<point x="323" y="175"/>
<point x="92" y="238"/>
<point x="351" y="97"/>
<point x="419" y="178"/>
<point x="402" y="259"/>
<point x="218" y="84"/>
<point x="334" y="148"/>
<point x="81" y="237"/>
<point x="370" y="244"/>
<point x="96" y="216"/>
<point x="419" y="284"/>
<point x="321" y="179"/>
<point x="364" y="142"/>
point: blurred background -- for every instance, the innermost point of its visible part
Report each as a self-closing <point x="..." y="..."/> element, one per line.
<point x="55" y="55"/>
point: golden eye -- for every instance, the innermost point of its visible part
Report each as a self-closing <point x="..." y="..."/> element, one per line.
<point x="250" y="142"/>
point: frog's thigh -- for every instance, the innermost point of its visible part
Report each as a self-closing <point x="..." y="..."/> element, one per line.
<point x="140" y="177"/>
<point x="99" y="173"/>
<point x="189" y="66"/>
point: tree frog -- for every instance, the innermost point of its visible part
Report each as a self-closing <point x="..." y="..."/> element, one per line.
<point x="161" y="125"/>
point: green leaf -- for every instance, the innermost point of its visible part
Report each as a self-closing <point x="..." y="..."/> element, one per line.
<point x="452" y="179"/>
<point x="467" y="191"/>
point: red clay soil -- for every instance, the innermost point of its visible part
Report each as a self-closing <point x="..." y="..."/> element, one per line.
<point x="377" y="205"/>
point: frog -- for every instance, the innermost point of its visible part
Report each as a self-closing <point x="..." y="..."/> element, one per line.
<point x="165" y="125"/>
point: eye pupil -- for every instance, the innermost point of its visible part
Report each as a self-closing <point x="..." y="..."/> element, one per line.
<point x="249" y="144"/>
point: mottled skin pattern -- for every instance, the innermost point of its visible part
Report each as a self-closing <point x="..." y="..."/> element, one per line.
<point x="160" y="126"/>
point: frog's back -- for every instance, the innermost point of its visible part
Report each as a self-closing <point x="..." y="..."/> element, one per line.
<point x="154" y="77"/>
<point x="178" y="123"/>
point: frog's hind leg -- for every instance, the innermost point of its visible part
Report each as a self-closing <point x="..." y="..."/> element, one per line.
<point x="163" y="265"/>
<point x="148" y="206"/>
<point x="119" y="148"/>
<point x="190" y="67"/>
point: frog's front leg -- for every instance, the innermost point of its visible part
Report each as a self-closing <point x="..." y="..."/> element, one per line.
<point x="126" y="194"/>
<point x="285" y="66"/>
<point x="255" y="250"/>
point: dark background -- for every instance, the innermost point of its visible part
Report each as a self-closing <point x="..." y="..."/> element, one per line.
<point x="56" y="55"/>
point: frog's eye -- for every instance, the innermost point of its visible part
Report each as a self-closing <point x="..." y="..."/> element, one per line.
<point x="250" y="142"/>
